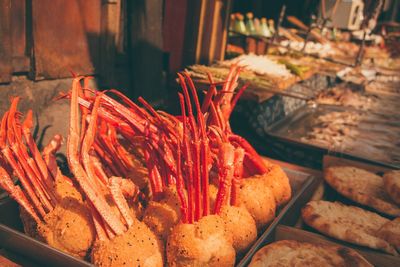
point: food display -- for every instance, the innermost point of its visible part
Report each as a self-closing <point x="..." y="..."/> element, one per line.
<point x="243" y="133"/>
<point x="294" y="253"/>
<point x="357" y="223"/>
<point x="179" y="190"/>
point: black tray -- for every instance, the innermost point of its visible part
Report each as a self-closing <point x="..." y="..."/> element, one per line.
<point x="290" y="213"/>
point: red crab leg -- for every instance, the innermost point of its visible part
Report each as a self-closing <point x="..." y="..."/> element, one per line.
<point x="204" y="149"/>
<point x="109" y="147"/>
<point x="226" y="170"/>
<point x="17" y="194"/>
<point x="9" y="157"/>
<point x="98" y="168"/>
<point x="196" y="153"/>
<point x="188" y="161"/>
<point x="96" y="198"/>
<point x="105" y="158"/>
<point x="19" y="150"/>
<point x="212" y="91"/>
<point x="123" y="154"/>
<point x="98" y="224"/>
<point x="26" y="128"/>
<point x="238" y="173"/>
<point x="252" y="158"/>
<point x="86" y="147"/>
<point x="180" y="186"/>
<point x="118" y="197"/>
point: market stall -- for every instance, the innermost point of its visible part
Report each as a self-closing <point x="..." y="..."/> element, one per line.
<point x="259" y="134"/>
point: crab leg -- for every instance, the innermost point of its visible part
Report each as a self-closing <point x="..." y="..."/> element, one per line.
<point x="226" y="171"/>
<point x="118" y="197"/>
<point x="27" y="165"/>
<point x="204" y="148"/>
<point x="121" y="151"/>
<point x="49" y="157"/>
<point x="180" y="185"/>
<point x="17" y="194"/>
<point x="26" y="129"/>
<point x="96" y="198"/>
<point x="188" y="161"/>
<point x="105" y="158"/>
<point x="238" y="173"/>
<point x="196" y="154"/>
<point x="9" y="157"/>
<point x="109" y="147"/>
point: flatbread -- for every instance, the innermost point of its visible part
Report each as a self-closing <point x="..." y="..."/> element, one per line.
<point x="347" y="223"/>
<point x="362" y="187"/>
<point x="391" y="181"/>
<point x="390" y="232"/>
<point x="294" y="253"/>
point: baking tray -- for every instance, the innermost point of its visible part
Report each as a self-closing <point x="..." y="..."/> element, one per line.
<point x="293" y="127"/>
<point x="303" y="186"/>
<point x="13" y="238"/>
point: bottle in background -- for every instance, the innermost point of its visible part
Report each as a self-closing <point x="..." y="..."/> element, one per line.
<point x="239" y="24"/>
<point x="264" y="30"/>
<point x="250" y="24"/>
<point x="271" y="25"/>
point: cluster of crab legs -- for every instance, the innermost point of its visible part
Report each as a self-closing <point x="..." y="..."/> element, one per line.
<point x="177" y="150"/>
<point x="36" y="171"/>
<point x="110" y="137"/>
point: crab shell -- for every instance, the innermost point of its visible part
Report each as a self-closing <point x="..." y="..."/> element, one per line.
<point x="161" y="216"/>
<point x="138" y="246"/>
<point x="68" y="227"/>
<point x="204" y="243"/>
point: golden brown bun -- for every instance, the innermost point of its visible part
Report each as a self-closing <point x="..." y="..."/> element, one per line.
<point x="390" y="231"/>
<point x="277" y="180"/>
<point x="69" y="227"/>
<point x="348" y="223"/>
<point x="162" y="216"/>
<point x="391" y="182"/>
<point x="362" y="187"/>
<point x="293" y="253"/>
<point x="239" y="222"/>
<point x="136" y="247"/>
<point x="258" y="199"/>
<point x="204" y="243"/>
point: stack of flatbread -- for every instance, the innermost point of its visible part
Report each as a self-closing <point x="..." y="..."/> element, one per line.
<point x="294" y="253"/>
<point x="354" y="224"/>
<point x="367" y="188"/>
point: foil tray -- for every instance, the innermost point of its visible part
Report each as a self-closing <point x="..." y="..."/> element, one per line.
<point x="12" y="237"/>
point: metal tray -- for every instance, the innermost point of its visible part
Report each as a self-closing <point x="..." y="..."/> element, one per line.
<point x="303" y="186"/>
<point x="13" y="238"/>
<point x="293" y="127"/>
